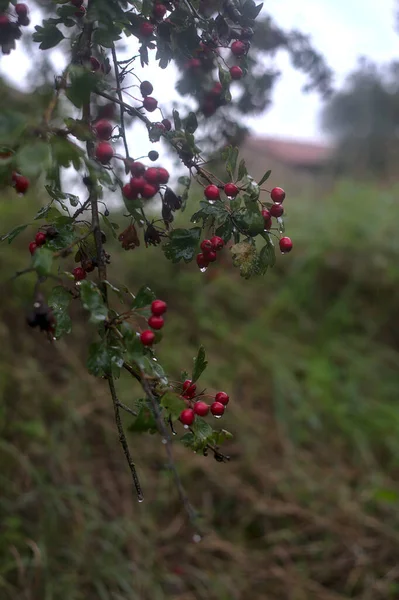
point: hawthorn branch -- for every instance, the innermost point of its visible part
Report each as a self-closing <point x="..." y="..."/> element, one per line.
<point x="121" y="107"/>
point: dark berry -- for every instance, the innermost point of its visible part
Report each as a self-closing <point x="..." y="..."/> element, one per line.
<point x="147" y="337"/>
<point x="79" y="274"/>
<point x="236" y="72"/>
<point x="156" y="322"/>
<point x="153" y="155"/>
<point x="194" y="63"/>
<point x="159" y="11"/>
<point x="187" y="416"/>
<point x="231" y="190"/>
<point x="151" y="175"/>
<point x="146" y="88"/>
<point x="107" y="111"/>
<point x="146" y="29"/>
<point x="212" y="192"/>
<point x="167" y="124"/>
<point x="80" y="12"/>
<point x="149" y="191"/>
<point x="21" y="184"/>
<point x="217" y="409"/>
<point x="276" y="210"/>
<point x="32" y="247"/>
<point x="202" y="262"/>
<point x="217" y="242"/>
<point x="163" y="175"/>
<point x="4" y="21"/>
<point x="158" y="307"/>
<point x="206" y="245"/>
<point x="137" y="184"/>
<point x="40" y="238"/>
<point x="95" y="66"/>
<point x="285" y="245"/>
<point x="150" y="103"/>
<point x="137" y="169"/>
<point x="103" y="129"/>
<point x="222" y="397"/>
<point x="201" y="409"/>
<point x="21" y="9"/>
<point x="238" y="48"/>
<point x="104" y="152"/>
<point x="277" y="195"/>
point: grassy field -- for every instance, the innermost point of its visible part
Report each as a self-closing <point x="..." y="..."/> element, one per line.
<point x="307" y="509"/>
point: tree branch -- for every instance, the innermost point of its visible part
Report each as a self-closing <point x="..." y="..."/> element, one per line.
<point x="121" y="107"/>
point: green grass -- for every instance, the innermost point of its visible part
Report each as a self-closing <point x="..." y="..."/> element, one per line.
<point x="307" y="507"/>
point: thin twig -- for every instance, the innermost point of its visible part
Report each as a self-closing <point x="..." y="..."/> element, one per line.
<point x="80" y="210"/>
<point x="119" y="92"/>
<point x="127" y="408"/>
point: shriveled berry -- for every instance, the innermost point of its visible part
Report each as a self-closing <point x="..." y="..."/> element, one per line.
<point x="236" y="72"/>
<point x="95" y="66"/>
<point x="277" y="195"/>
<point x="202" y="262"/>
<point x="217" y="409"/>
<point x="150" y="103"/>
<point x="146" y="88"/>
<point x="167" y="124"/>
<point x="201" y="408"/>
<point x="217" y="243"/>
<point x="137" y="184"/>
<point x="187" y="416"/>
<point x="21" y="9"/>
<point x="103" y="129"/>
<point x="21" y="184"/>
<point x="151" y="175"/>
<point x="163" y="175"/>
<point x="159" y="11"/>
<point x="212" y="192"/>
<point x="40" y="238"/>
<point x="285" y="245"/>
<point x="146" y="29"/>
<point x="156" y="322"/>
<point x="153" y="155"/>
<point x="206" y="245"/>
<point x="238" y="48"/>
<point x="137" y="169"/>
<point x="32" y="247"/>
<point x="276" y="210"/>
<point x="222" y="397"/>
<point x="149" y="191"/>
<point x="128" y="192"/>
<point x="158" y="307"/>
<point x="231" y="190"/>
<point x="210" y="256"/>
<point x="104" y="152"/>
<point x="147" y="337"/>
<point x="79" y="274"/>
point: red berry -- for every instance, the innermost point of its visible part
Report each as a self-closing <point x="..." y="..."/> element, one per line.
<point x="238" y="48"/>
<point x="208" y="108"/>
<point x="236" y="72"/>
<point x="128" y="192"/>
<point x="21" y="9"/>
<point x="21" y="184"/>
<point x="107" y="111"/>
<point x="206" y="245"/>
<point x="202" y="262"/>
<point x="79" y="274"/>
<point x="159" y="11"/>
<point x="267" y="218"/>
<point x="80" y="12"/>
<point x="222" y="397"/>
<point x="32" y="247"/>
<point x="187" y="416"/>
<point x="149" y="191"/>
<point x="217" y="242"/>
<point x="4" y="21"/>
<point x="146" y="88"/>
<point x="40" y="238"/>
<point x="23" y="21"/>
<point x="156" y="322"/>
<point x="285" y="245"/>
<point x="194" y="63"/>
<point x="137" y="184"/>
<point x="201" y="409"/>
<point x="167" y="124"/>
<point x="276" y="210"/>
<point x="150" y="103"/>
<point x="210" y="256"/>
<point x="137" y="169"/>
<point x="231" y="190"/>
<point x="103" y="129"/>
<point x="217" y="89"/>
<point x="217" y="409"/>
<point x="188" y="384"/>
<point x="212" y="192"/>
<point x="277" y="195"/>
<point x="163" y="175"/>
<point x="104" y="152"/>
<point x="95" y="65"/>
<point x="147" y="337"/>
<point x="146" y="29"/>
<point x="158" y="307"/>
<point x="151" y="175"/>
<point x="77" y="3"/>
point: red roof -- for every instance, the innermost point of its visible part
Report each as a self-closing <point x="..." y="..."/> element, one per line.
<point x="290" y="151"/>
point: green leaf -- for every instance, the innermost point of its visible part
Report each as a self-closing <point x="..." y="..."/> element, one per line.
<point x="42" y="261"/>
<point x="182" y="244"/>
<point x="79" y="129"/>
<point x="48" y="36"/>
<point x="191" y="123"/>
<point x="245" y="257"/>
<point x="200" y="364"/>
<point x="66" y="153"/>
<point x="144" y="422"/>
<point x="218" y="437"/>
<point x="265" y="177"/>
<point x="98" y="361"/>
<point x="143" y="298"/>
<point x="202" y="430"/>
<point x="13" y="233"/>
<point x="173" y="404"/>
<point x="59" y="300"/>
<point x="188" y="439"/>
<point x="33" y="159"/>
<point x="12" y="124"/>
<point x="225" y="230"/>
<point x="92" y="301"/>
<point x="242" y="170"/>
<point x="230" y="155"/>
<point x="83" y="83"/>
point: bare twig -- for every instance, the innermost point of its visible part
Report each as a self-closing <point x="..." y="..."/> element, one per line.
<point x="80" y="210"/>
<point x="127" y="408"/>
<point x="121" y="107"/>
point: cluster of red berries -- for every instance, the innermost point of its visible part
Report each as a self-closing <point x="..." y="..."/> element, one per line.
<point x="40" y="240"/>
<point x="145" y="181"/>
<point x="147" y="26"/>
<point x="10" y="29"/>
<point x="212" y="192"/>
<point x="276" y="210"/>
<point x="199" y="407"/>
<point x="156" y="322"/>
<point x="81" y="11"/>
<point x="209" y="251"/>
<point x="104" y="150"/>
<point x="149" y="102"/>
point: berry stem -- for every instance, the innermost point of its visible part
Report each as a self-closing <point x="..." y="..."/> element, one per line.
<point x="121" y="107"/>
